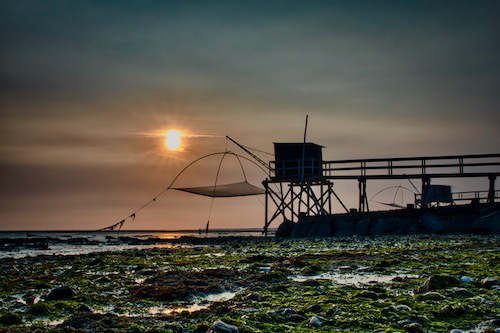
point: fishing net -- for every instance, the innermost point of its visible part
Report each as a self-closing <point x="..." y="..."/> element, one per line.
<point x="224" y="190"/>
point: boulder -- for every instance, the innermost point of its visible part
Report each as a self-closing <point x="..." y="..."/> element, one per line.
<point x="11" y="318"/>
<point x="436" y="282"/>
<point x="221" y="327"/>
<point x="60" y="293"/>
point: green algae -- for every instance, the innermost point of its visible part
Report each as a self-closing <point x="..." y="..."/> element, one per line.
<point x="103" y="282"/>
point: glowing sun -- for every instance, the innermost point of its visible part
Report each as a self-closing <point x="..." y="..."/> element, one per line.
<point x="173" y="139"/>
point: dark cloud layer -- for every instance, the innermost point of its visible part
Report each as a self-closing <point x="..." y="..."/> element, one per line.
<point x="82" y="81"/>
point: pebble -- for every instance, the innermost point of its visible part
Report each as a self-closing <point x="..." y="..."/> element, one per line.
<point x="254" y="297"/>
<point x="315" y="321"/>
<point x="84" y="308"/>
<point x="456" y="330"/>
<point x="287" y="312"/>
<point x="296" y="318"/>
<point x="466" y="279"/>
<point x="461" y="292"/>
<point x="221" y="327"/>
<point x="314" y="308"/>
<point x="432" y="296"/>
<point x="414" y="328"/>
<point x="489" y="282"/>
<point x="402" y="307"/>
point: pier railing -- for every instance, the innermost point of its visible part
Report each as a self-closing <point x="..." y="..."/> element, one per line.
<point x="478" y="196"/>
<point x="479" y="165"/>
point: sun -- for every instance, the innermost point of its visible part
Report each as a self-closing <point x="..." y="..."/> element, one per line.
<point x="173" y="139"/>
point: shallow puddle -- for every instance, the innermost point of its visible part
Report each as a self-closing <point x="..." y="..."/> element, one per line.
<point x="351" y="279"/>
<point x="200" y="303"/>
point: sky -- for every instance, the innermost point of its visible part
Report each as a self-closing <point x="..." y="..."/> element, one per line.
<point x="86" y="87"/>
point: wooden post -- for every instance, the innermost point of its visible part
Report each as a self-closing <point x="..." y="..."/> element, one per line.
<point x="426" y="183"/>
<point x="266" y="204"/>
<point x="491" y="189"/>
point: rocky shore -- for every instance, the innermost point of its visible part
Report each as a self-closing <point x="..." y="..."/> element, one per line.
<point x="423" y="283"/>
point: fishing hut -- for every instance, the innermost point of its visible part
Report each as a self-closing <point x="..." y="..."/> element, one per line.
<point x="296" y="186"/>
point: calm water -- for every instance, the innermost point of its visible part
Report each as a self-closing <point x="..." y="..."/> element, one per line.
<point x="103" y="241"/>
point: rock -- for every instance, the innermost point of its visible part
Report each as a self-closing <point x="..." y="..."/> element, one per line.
<point x="489" y="282"/>
<point x="254" y="297"/>
<point x="93" y="322"/>
<point x="60" y="293"/>
<point x="315" y="321"/>
<point x="405" y="322"/>
<point x="436" y="282"/>
<point x="461" y="292"/>
<point x="414" y="328"/>
<point x="431" y="296"/>
<point x="222" y="327"/>
<point x="30" y="299"/>
<point x="491" y="325"/>
<point x="456" y="330"/>
<point x="367" y="269"/>
<point x="316" y="308"/>
<point x="368" y="294"/>
<point x="287" y="312"/>
<point x="84" y="308"/>
<point x="466" y="279"/>
<point x="334" y="310"/>
<point x="311" y="283"/>
<point x="96" y="262"/>
<point x="11" y="318"/>
<point x="402" y="307"/>
<point x="296" y="318"/>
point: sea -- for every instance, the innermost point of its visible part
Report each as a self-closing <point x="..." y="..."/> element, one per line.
<point x="36" y="243"/>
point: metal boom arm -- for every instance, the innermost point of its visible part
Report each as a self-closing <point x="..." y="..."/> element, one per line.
<point x="257" y="158"/>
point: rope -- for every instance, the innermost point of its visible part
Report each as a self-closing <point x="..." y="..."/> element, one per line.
<point x="242" y="170"/>
<point x="215" y="188"/>
<point x="118" y="225"/>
